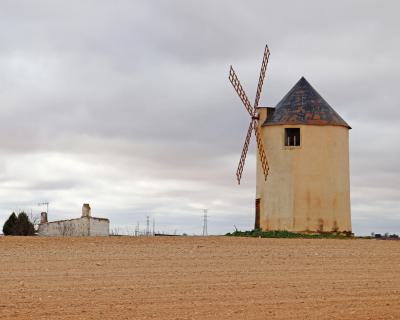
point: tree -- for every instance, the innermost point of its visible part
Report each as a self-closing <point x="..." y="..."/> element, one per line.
<point x="9" y="225"/>
<point x="19" y="225"/>
<point x="24" y="227"/>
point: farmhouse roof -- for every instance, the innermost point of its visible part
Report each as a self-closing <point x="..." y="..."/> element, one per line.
<point x="304" y="105"/>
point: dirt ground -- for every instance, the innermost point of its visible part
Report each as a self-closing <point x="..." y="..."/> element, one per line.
<point x="198" y="278"/>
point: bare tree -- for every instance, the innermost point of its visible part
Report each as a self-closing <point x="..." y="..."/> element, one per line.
<point x="115" y="231"/>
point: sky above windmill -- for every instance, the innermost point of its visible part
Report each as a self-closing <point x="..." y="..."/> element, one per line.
<point x="127" y="105"/>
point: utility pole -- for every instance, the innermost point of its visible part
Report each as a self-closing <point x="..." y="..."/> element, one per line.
<point x="45" y="203"/>
<point x="147" y="226"/>
<point x="154" y="226"/>
<point x="205" y="233"/>
<point x="137" y="230"/>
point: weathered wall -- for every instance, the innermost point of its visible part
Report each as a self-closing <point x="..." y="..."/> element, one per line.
<point x="85" y="226"/>
<point x="99" y="227"/>
<point x="308" y="187"/>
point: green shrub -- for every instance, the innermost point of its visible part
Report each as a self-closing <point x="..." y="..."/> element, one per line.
<point x="24" y="227"/>
<point x="258" y="233"/>
<point x="9" y="225"/>
<point x="18" y="226"/>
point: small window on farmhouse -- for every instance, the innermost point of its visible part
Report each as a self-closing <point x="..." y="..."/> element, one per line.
<point x="292" y="137"/>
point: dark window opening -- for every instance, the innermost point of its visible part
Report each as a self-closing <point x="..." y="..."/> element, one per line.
<point x="257" y="222"/>
<point x="292" y="137"/>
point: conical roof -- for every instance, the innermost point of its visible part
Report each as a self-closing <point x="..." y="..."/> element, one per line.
<point x="303" y="105"/>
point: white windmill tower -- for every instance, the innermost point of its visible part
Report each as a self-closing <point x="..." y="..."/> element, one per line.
<point x="307" y="146"/>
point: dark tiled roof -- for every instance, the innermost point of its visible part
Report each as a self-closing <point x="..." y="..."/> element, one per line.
<point x="303" y="105"/>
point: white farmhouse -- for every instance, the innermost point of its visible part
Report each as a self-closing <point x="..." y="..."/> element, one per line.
<point x="86" y="225"/>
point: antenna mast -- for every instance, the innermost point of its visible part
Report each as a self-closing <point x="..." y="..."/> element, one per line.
<point x="46" y="203"/>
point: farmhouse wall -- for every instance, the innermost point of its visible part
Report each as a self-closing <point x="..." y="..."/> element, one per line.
<point x="85" y="226"/>
<point x="99" y="227"/>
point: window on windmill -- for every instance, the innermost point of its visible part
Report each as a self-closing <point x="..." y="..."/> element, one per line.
<point x="292" y="137"/>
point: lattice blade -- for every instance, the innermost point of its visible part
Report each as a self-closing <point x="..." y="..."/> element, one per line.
<point x="262" y="75"/>
<point x="261" y="150"/>
<point x="244" y="153"/>
<point x="239" y="89"/>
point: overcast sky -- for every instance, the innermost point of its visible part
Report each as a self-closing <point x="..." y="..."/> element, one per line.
<point x="127" y="105"/>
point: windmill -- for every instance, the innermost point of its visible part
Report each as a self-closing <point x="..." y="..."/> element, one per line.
<point x="308" y="147"/>
<point x="254" y="115"/>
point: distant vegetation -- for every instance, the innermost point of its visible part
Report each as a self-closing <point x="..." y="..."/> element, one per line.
<point x="18" y="225"/>
<point x="258" y="233"/>
<point x="386" y="236"/>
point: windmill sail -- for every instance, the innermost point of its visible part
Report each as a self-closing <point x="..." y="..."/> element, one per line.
<point x="252" y="110"/>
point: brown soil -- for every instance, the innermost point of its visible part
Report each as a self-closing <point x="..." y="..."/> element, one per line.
<point x="198" y="278"/>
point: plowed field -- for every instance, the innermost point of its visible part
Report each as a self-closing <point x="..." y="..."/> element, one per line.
<point x="198" y="278"/>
